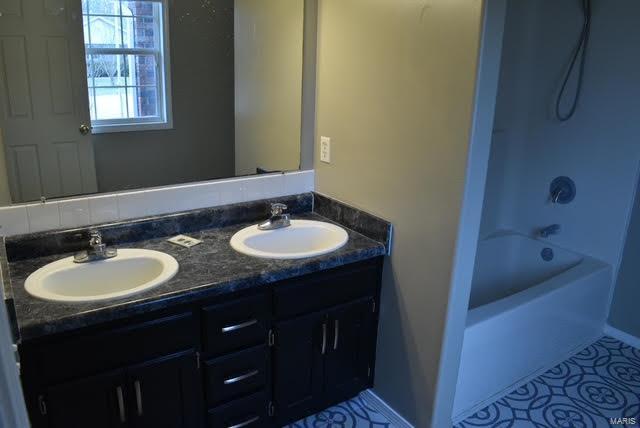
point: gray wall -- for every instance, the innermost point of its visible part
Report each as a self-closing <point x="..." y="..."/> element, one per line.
<point x="268" y="71"/>
<point x="626" y="298"/>
<point x="201" y="144"/>
<point x="395" y="93"/>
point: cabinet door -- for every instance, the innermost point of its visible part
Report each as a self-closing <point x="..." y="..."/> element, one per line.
<point x="97" y="402"/>
<point x="298" y="365"/>
<point x="166" y="392"/>
<point x="350" y="350"/>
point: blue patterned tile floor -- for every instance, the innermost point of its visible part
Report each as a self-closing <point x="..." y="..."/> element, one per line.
<point x="355" y="413"/>
<point x="585" y="391"/>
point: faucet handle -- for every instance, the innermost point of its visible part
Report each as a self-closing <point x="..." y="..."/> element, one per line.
<point x="277" y="209"/>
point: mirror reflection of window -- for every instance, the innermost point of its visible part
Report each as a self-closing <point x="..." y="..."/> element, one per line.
<point x="127" y="64"/>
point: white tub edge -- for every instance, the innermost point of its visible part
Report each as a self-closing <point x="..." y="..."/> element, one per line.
<point x="586" y="268"/>
<point x="523" y="381"/>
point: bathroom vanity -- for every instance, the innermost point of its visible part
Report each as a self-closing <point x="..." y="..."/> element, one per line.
<point x="230" y="341"/>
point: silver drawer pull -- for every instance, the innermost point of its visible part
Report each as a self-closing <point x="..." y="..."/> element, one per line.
<point x="324" y="338"/>
<point x="120" y="394"/>
<point x="230" y="328"/>
<point x="241" y="377"/>
<point x="138" y="389"/>
<point x="247" y="422"/>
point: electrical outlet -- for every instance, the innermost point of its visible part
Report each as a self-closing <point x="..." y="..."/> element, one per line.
<point x="184" y="241"/>
<point x="325" y="149"/>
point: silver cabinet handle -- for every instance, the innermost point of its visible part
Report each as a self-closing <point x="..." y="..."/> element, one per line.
<point x="336" y="334"/>
<point x="245" y="423"/>
<point x="138" y="389"/>
<point x="120" y="394"/>
<point x="230" y="328"/>
<point x="324" y="338"/>
<point x="240" y="378"/>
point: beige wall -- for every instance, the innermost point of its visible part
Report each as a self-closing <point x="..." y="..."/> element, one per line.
<point x="268" y="84"/>
<point x="5" y="195"/>
<point x="395" y="94"/>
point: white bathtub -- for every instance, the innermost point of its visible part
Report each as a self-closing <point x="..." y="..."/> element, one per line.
<point x="526" y="314"/>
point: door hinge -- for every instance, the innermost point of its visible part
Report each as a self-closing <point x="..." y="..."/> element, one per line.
<point x="271" y="409"/>
<point x="368" y="371"/>
<point x="42" y="404"/>
<point x="373" y="306"/>
<point x="272" y="338"/>
<point x="198" y="360"/>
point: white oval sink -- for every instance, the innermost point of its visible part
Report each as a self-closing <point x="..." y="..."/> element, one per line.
<point x="304" y="238"/>
<point x="131" y="271"/>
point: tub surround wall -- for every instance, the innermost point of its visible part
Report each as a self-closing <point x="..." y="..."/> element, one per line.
<point x="395" y="93"/>
<point x="107" y="208"/>
<point x="626" y="296"/>
<point x="597" y="148"/>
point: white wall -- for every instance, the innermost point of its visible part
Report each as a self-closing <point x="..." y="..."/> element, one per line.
<point x="598" y="148"/>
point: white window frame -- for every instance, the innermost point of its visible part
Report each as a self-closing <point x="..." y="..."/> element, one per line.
<point x="163" y="73"/>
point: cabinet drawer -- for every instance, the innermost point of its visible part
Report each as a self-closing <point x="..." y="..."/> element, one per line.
<point x="236" y="375"/>
<point x="326" y="289"/>
<point x="250" y="412"/>
<point x="78" y="356"/>
<point x="240" y="324"/>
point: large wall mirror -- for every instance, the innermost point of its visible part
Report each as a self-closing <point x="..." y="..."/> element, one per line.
<point x="109" y="95"/>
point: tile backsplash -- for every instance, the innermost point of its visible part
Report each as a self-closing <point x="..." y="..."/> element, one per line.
<point x="105" y="208"/>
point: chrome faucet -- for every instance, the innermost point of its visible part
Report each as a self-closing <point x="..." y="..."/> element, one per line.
<point x="278" y="219"/>
<point x="97" y="250"/>
<point x="545" y="232"/>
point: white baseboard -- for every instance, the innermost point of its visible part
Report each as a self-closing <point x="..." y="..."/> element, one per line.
<point x="383" y="408"/>
<point x="623" y="337"/>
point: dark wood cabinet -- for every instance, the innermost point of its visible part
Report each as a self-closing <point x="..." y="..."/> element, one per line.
<point x="250" y="412"/>
<point x="90" y="402"/>
<point x="349" y="360"/>
<point x="259" y="358"/>
<point x="323" y="358"/>
<point x="165" y="393"/>
<point x="298" y="365"/>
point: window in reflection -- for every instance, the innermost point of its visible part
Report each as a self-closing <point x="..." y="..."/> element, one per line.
<point x="126" y="63"/>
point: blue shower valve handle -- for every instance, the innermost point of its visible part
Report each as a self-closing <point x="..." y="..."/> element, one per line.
<point x="562" y="190"/>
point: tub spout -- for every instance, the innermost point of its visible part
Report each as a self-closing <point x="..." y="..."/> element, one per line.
<point x="545" y="232"/>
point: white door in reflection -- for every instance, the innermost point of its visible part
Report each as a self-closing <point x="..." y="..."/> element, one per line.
<point x="44" y="108"/>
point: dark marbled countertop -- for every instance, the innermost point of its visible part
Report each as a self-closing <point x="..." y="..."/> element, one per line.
<point x="206" y="270"/>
